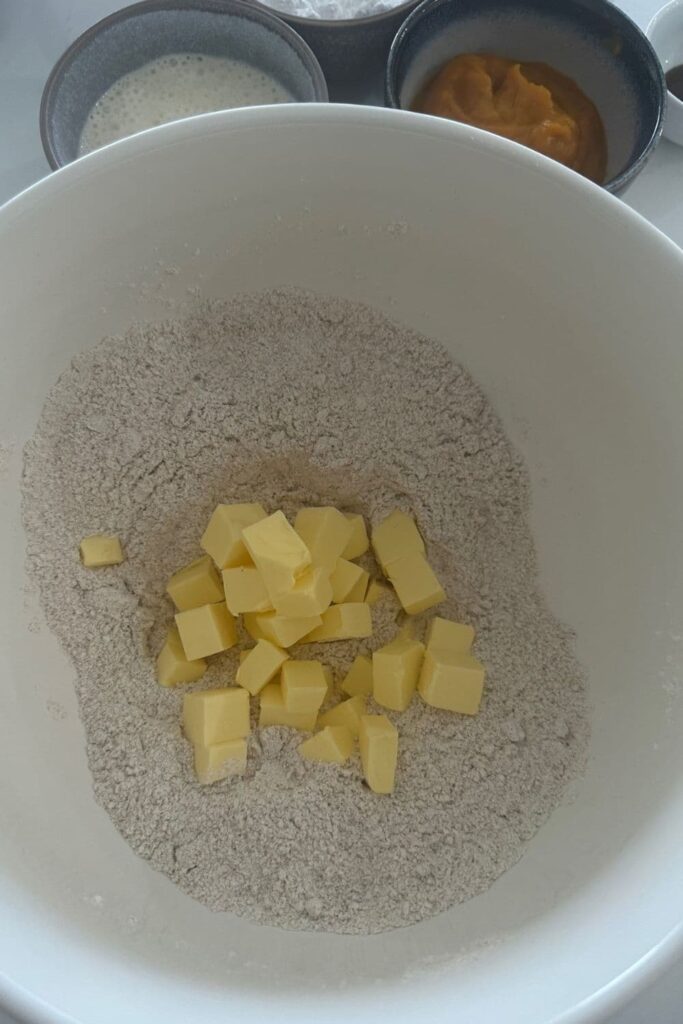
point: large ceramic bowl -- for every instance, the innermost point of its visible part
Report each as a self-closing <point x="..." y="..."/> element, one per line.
<point x="567" y="307"/>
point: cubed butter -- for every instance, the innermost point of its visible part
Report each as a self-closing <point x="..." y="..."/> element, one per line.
<point x="222" y="538"/>
<point x="215" y="716"/>
<point x="395" y="537"/>
<point x="342" y="622"/>
<point x="378" y="743"/>
<point x="395" y="672"/>
<point x="454" y="682"/>
<point x="358" y="542"/>
<point x="220" y="760"/>
<point x="280" y="630"/>
<point x="446" y="635"/>
<point x="198" y="583"/>
<point x="262" y="663"/>
<point x="358" y="680"/>
<point x="348" y="714"/>
<point x="273" y="711"/>
<point x="278" y="552"/>
<point x="377" y="591"/>
<point x="245" y="590"/>
<point x="310" y="595"/>
<point x="101" y="549"/>
<point x="349" y="582"/>
<point x="333" y="745"/>
<point x="206" y="630"/>
<point x="329" y="679"/>
<point x="326" y="532"/>
<point x="304" y="685"/>
<point x="415" y="583"/>
<point x="173" y="667"/>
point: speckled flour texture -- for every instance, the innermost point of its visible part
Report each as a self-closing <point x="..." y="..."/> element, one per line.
<point x="289" y="399"/>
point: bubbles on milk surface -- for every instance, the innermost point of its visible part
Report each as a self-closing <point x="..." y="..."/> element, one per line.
<point x="175" y="86"/>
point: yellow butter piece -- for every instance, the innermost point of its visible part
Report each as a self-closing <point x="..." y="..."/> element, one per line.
<point x="215" y="716"/>
<point x="220" y="760"/>
<point x="452" y="681"/>
<point x="304" y="685"/>
<point x="377" y="591"/>
<point x="310" y="595"/>
<point x="206" y="630"/>
<point x="260" y="665"/>
<point x="358" y="542"/>
<point x="198" y="583"/>
<point x="349" y="582"/>
<point x="101" y="549"/>
<point x="329" y="679"/>
<point x="358" y="680"/>
<point x="245" y="590"/>
<point x="222" y="538"/>
<point x="415" y="583"/>
<point x="348" y="714"/>
<point x="378" y="743"/>
<point x="395" y="672"/>
<point x="278" y="552"/>
<point x="173" y="667"/>
<point x="333" y="745"/>
<point x="273" y="711"/>
<point x="280" y="630"/>
<point x="243" y="654"/>
<point x="395" y="537"/>
<point x="446" y="635"/>
<point x="326" y="532"/>
<point x="342" y="622"/>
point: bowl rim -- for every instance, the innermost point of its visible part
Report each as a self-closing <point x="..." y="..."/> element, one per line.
<point x="637" y="36"/>
<point x="333" y="23"/>
<point x="241" y="8"/>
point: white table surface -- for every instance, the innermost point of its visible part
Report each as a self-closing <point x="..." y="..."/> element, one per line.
<point x="33" y="33"/>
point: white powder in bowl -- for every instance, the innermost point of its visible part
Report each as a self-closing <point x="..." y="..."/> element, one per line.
<point x="332" y="10"/>
<point x="289" y="399"/>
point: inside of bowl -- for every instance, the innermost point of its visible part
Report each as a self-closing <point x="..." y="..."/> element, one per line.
<point x="603" y="57"/>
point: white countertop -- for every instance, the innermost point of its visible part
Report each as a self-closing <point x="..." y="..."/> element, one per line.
<point x="33" y="33"/>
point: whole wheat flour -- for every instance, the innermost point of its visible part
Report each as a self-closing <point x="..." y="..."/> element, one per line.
<point x="289" y="400"/>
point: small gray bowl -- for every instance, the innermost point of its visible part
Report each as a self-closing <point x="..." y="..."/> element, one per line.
<point x="138" y="34"/>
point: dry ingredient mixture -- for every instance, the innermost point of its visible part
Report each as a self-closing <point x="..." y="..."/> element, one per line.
<point x="303" y="401"/>
<point x="334" y="10"/>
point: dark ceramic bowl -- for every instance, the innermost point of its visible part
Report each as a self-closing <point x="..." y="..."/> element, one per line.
<point x="591" y="41"/>
<point x="138" y="34"/>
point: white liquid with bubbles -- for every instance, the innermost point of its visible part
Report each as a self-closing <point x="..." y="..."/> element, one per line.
<point x="174" y="86"/>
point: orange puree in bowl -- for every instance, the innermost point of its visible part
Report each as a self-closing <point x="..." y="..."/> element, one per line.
<point x="530" y="103"/>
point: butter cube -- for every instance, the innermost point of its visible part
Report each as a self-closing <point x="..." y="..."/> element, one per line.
<point x="172" y="665"/>
<point x="358" y="680"/>
<point x="395" y="672"/>
<point x="260" y="665"/>
<point x="281" y="631"/>
<point x="348" y="714"/>
<point x="222" y="538"/>
<point x="454" y="682"/>
<point x="220" y="760"/>
<point x="101" y="549"/>
<point x="278" y="552"/>
<point x="304" y="685"/>
<point x="415" y="583"/>
<point x="273" y="711"/>
<point x="349" y="582"/>
<point x="206" y="630"/>
<point x="358" y="542"/>
<point x="198" y="583"/>
<point x="446" y="635"/>
<point x="378" y="752"/>
<point x="215" y="716"/>
<point x="326" y="532"/>
<point x="377" y="591"/>
<point x="245" y="590"/>
<point x="243" y="654"/>
<point x="332" y="745"/>
<point x="395" y="537"/>
<point x="329" y="679"/>
<point x="342" y="622"/>
<point x="310" y="595"/>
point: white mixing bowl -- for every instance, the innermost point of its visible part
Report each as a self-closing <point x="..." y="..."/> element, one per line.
<point x="569" y="309"/>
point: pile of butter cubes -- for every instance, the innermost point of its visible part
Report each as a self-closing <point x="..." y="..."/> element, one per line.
<point x="301" y="584"/>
